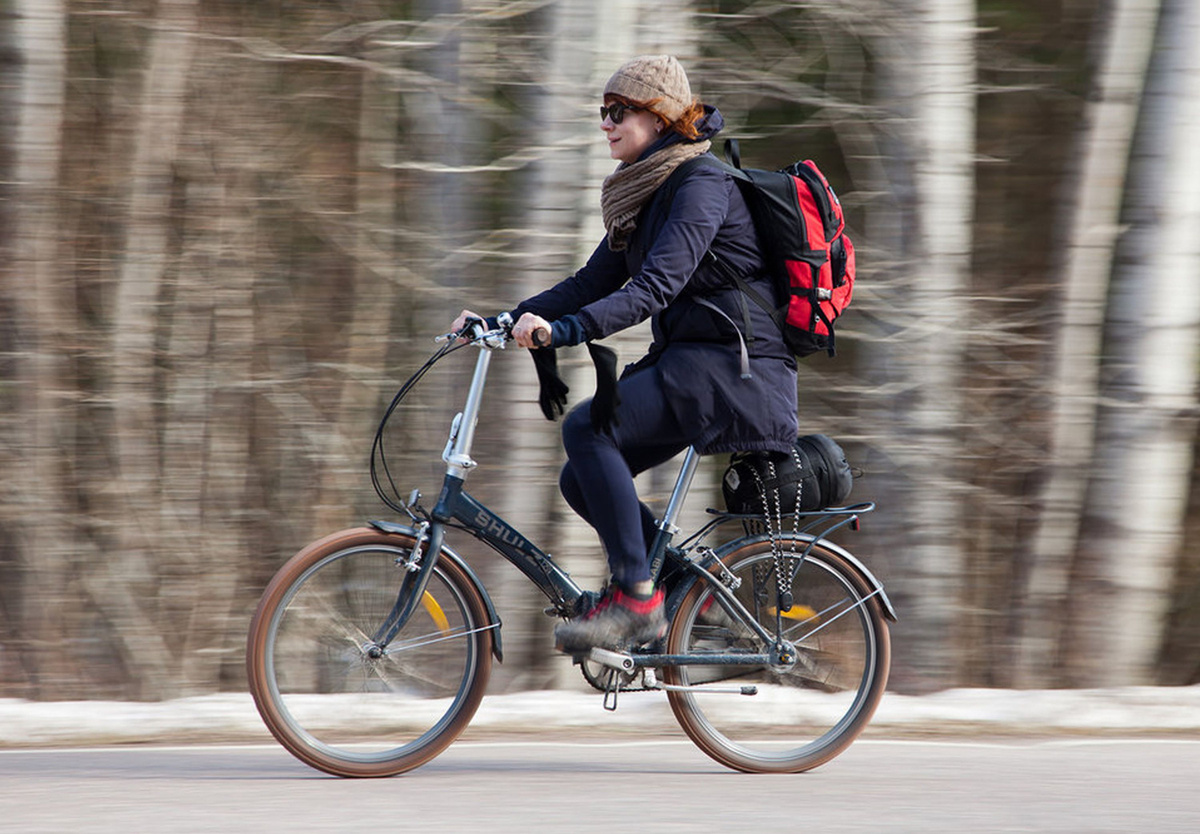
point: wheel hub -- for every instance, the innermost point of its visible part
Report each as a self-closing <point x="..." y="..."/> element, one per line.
<point x="783" y="657"/>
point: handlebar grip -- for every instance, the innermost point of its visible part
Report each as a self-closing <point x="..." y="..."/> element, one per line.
<point x="542" y="340"/>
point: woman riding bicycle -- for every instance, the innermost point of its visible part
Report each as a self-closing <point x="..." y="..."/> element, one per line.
<point x="717" y="375"/>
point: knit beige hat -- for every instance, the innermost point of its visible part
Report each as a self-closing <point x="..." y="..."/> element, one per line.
<point x="653" y="77"/>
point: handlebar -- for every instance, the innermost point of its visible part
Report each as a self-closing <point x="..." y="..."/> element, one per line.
<point x="476" y="331"/>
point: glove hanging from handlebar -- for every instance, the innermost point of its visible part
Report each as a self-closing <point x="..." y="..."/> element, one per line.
<point x="606" y="398"/>
<point x="552" y="391"/>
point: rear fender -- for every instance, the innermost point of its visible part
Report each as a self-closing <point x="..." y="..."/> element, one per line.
<point x="853" y="561"/>
<point x="392" y="528"/>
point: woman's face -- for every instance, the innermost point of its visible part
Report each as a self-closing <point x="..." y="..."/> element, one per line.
<point x="635" y="131"/>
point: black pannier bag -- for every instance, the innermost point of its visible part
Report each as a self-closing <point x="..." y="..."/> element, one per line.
<point x="815" y="476"/>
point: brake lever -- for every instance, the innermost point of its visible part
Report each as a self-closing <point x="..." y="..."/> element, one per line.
<point x="472" y="331"/>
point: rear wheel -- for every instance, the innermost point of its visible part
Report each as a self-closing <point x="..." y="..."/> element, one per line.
<point x="335" y="699"/>
<point x="829" y="672"/>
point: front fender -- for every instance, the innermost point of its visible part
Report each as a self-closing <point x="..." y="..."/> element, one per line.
<point x="392" y="528"/>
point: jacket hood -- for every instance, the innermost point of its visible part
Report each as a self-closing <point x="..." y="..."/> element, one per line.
<point x="711" y="124"/>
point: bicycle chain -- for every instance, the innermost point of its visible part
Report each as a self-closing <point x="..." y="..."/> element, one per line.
<point x="775" y="530"/>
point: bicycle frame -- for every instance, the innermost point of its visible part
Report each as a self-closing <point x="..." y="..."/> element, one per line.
<point x="456" y="507"/>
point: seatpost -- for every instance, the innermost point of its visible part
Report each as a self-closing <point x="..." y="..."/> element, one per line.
<point x="682" y="484"/>
<point x="666" y="525"/>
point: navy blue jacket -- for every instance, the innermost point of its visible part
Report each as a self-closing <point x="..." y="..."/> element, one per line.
<point x="695" y="351"/>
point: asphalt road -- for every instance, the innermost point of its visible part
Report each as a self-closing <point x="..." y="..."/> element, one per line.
<point x="662" y="785"/>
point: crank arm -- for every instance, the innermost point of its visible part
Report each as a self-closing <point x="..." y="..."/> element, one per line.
<point x="621" y="661"/>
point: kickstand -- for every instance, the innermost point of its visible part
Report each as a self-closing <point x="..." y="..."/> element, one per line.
<point x="612" y="685"/>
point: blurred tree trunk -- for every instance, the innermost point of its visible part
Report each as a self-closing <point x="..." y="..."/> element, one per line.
<point x="204" y="477"/>
<point x="930" y="70"/>
<point x="123" y="584"/>
<point x="1132" y="523"/>
<point x="1092" y="206"/>
<point x="549" y="204"/>
<point x="37" y="425"/>
<point x="376" y="285"/>
<point x="1180" y="655"/>
<point x="945" y="179"/>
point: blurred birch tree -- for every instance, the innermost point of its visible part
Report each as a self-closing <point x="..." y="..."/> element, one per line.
<point x="932" y="77"/>
<point x="1090" y="209"/>
<point x="36" y="507"/>
<point x="1131" y="527"/>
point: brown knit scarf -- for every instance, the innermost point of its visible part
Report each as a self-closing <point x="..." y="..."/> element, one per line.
<point x="628" y="188"/>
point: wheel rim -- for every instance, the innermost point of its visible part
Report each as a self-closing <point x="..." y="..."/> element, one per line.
<point x="337" y="701"/>
<point x="804" y="711"/>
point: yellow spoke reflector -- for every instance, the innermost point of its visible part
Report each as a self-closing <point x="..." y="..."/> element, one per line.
<point x="796" y="612"/>
<point x="436" y="612"/>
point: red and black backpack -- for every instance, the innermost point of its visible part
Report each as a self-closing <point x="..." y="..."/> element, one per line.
<point x="802" y="231"/>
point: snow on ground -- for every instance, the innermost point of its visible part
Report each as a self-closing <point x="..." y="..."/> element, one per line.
<point x="232" y="717"/>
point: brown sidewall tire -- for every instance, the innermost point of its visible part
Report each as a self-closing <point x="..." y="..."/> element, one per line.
<point x="256" y="653"/>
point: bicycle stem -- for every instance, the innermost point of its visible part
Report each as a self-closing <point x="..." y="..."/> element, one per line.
<point x="462" y="431"/>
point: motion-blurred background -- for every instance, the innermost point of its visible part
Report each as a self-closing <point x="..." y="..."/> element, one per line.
<point x="230" y="228"/>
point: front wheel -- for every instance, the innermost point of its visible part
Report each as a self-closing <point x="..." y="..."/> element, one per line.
<point x="326" y="689"/>
<point x="832" y="656"/>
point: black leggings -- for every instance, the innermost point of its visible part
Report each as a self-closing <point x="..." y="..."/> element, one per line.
<point x="597" y="480"/>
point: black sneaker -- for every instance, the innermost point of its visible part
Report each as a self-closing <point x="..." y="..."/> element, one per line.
<point x="618" y="622"/>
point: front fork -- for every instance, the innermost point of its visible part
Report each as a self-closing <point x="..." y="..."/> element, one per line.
<point x="419" y="567"/>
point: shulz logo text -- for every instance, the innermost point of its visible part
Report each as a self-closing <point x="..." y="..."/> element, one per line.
<point x="497" y="529"/>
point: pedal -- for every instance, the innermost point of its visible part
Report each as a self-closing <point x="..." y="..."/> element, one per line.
<point x="621" y="661"/>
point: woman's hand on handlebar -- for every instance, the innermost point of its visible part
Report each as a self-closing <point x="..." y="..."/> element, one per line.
<point x="460" y="323"/>
<point x="531" y="331"/>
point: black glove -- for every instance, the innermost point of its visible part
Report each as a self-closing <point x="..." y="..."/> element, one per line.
<point x="552" y="393"/>
<point x="606" y="399"/>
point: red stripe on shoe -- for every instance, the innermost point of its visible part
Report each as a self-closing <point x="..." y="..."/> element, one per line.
<point x="639" y="606"/>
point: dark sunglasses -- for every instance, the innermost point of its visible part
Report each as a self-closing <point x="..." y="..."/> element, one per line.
<point x="616" y="111"/>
